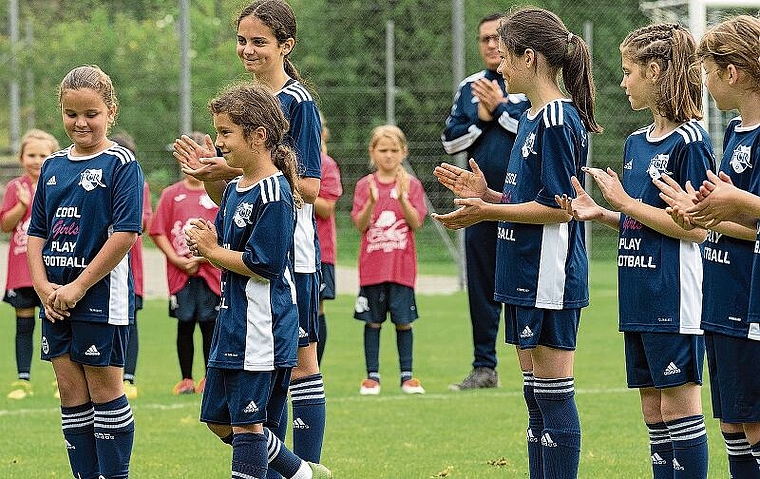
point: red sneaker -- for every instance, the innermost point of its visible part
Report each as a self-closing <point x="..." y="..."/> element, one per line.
<point x="186" y="386"/>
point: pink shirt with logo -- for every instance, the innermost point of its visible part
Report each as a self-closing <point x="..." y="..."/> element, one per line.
<point x="176" y="207"/>
<point x="329" y="189"/>
<point x="18" y="271"/>
<point x="387" y="252"/>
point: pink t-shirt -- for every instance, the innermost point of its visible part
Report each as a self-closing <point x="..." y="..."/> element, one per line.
<point x="387" y="252"/>
<point x="137" y="252"/>
<point x="329" y="189"/>
<point x="18" y="270"/>
<point x="176" y="207"/>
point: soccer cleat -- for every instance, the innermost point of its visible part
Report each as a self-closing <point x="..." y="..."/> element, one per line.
<point x="412" y="386"/>
<point x="479" y="378"/>
<point x="186" y="386"/>
<point x="370" y="387"/>
<point x="201" y="386"/>
<point x="130" y="390"/>
<point x="20" y="389"/>
<point x="318" y="471"/>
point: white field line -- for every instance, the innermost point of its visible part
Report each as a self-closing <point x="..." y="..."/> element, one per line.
<point x="137" y="405"/>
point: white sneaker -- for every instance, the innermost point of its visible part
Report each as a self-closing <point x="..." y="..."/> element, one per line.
<point x="412" y="386"/>
<point x="370" y="387"/>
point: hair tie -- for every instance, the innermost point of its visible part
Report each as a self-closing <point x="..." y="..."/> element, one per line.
<point x="569" y="37"/>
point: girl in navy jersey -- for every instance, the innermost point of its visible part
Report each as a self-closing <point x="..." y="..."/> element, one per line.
<point x="659" y="264"/>
<point x="80" y="269"/>
<point x="255" y="338"/>
<point x="729" y="54"/>
<point x="266" y="36"/>
<point x="543" y="296"/>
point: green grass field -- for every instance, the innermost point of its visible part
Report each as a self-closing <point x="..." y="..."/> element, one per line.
<point x="476" y="434"/>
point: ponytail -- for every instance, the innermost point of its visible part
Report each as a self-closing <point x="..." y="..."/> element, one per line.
<point x="284" y="158"/>
<point x="542" y="31"/>
<point x="576" y="75"/>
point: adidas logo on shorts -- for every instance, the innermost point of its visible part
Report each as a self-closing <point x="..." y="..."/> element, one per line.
<point x="526" y="333"/>
<point x="671" y="369"/>
<point x="677" y="466"/>
<point x="530" y="436"/>
<point x="69" y="445"/>
<point x="547" y="441"/>
<point x="92" y="351"/>
<point x="251" y="408"/>
<point x="299" y="423"/>
<point x="302" y="333"/>
<point x="657" y="460"/>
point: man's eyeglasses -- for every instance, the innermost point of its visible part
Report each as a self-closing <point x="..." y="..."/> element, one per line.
<point x="488" y="39"/>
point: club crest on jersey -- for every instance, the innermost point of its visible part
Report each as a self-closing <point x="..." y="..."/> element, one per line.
<point x="527" y="147"/>
<point x="90" y="179"/>
<point x="658" y="166"/>
<point x="741" y="158"/>
<point x="243" y="214"/>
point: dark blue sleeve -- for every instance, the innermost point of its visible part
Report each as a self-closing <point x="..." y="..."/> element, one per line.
<point x="128" y="198"/>
<point x="558" y="164"/>
<point x="463" y="127"/>
<point x="306" y="129"/>
<point x="693" y="162"/>
<point x="271" y="240"/>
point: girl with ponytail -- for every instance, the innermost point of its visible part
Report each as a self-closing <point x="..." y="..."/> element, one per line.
<point x="659" y="263"/>
<point x="266" y="37"/>
<point x="543" y="297"/>
<point x="253" y="349"/>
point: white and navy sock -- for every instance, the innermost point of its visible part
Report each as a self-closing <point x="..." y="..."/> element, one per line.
<point x="308" y="397"/>
<point x="77" y="424"/>
<point x="689" y="447"/>
<point x="249" y="456"/>
<point x="561" y="437"/>
<point x="114" y="435"/>
<point x="535" y="427"/>
<point x="661" y="450"/>
<point x="741" y="464"/>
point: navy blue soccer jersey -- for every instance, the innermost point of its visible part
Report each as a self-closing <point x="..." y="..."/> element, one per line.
<point x="80" y="202"/>
<point x="304" y="136"/>
<point x="544" y="266"/>
<point x="257" y="326"/>
<point x="727" y="261"/>
<point x="488" y="142"/>
<point x="659" y="277"/>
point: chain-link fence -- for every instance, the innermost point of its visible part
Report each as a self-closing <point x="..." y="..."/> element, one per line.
<point x="369" y="63"/>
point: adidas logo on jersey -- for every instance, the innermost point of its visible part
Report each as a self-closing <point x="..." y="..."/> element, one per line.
<point x="92" y="351"/>
<point x="251" y="408"/>
<point x="526" y="333"/>
<point x="299" y="423"/>
<point x="68" y="445"/>
<point x="51" y="181"/>
<point x="677" y="466"/>
<point x="547" y="441"/>
<point x="530" y="436"/>
<point x="657" y="460"/>
<point x="302" y="333"/>
<point x="671" y="369"/>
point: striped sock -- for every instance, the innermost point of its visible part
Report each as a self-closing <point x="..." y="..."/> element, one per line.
<point x="280" y="458"/>
<point x="689" y="447"/>
<point x="114" y="435"/>
<point x="249" y="456"/>
<point x="561" y="437"/>
<point x="535" y="427"/>
<point x="308" y="397"/>
<point x="741" y="464"/>
<point x="661" y="448"/>
<point x="756" y="453"/>
<point x="77" y="424"/>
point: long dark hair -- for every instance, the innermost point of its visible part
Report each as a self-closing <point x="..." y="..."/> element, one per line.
<point x="542" y="31"/>
<point x="253" y="106"/>
<point x="278" y="16"/>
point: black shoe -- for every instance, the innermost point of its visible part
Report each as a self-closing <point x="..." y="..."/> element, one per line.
<point x="479" y="378"/>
